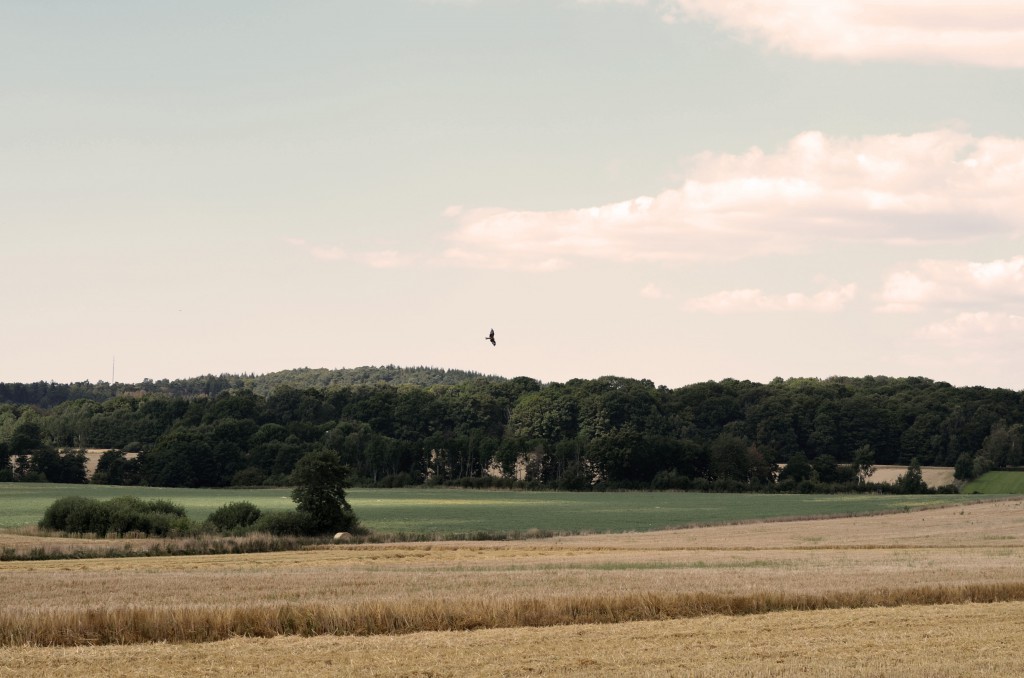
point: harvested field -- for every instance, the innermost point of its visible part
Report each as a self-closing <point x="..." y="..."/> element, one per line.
<point x="912" y="642"/>
<point x="957" y="554"/>
<point x="934" y="476"/>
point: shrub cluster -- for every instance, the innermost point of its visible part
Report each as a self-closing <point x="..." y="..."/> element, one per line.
<point x="120" y="515"/>
<point x="244" y="517"/>
<point x="281" y="523"/>
<point x="161" y="518"/>
<point x="235" y="516"/>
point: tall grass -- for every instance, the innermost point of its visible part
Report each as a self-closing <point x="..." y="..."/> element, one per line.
<point x="257" y="542"/>
<point x="197" y="623"/>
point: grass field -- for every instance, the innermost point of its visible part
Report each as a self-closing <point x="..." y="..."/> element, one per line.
<point x="24" y="503"/>
<point x="997" y="482"/>
<point x="862" y="596"/>
<point x="454" y="511"/>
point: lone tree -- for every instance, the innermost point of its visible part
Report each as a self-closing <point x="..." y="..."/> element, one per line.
<point x="320" y="480"/>
<point x="912" y="482"/>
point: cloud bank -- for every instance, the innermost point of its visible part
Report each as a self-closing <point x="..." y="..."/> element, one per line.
<point x="950" y="283"/>
<point x="747" y="300"/>
<point x="934" y="187"/>
<point x="985" y="337"/>
<point x="983" y="33"/>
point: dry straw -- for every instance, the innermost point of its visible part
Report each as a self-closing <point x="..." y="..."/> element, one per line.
<point x="140" y="624"/>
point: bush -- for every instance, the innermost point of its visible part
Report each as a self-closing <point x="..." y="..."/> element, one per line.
<point x="156" y="517"/>
<point x="119" y="515"/>
<point x="79" y="515"/>
<point x="286" y="523"/>
<point x="239" y="514"/>
<point x="160" y="506"/>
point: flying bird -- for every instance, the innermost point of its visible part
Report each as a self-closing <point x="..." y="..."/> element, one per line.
<point x="490" y="338"/>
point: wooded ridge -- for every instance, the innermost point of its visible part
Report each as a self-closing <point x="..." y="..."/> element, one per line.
<point x="412" y="425"/>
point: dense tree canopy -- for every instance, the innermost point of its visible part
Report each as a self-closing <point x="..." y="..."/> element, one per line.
<point x="460" y="428"/>
<point x="48" y="394"/>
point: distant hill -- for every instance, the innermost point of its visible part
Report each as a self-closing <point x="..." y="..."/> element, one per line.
<point x="389" y="374"/>
<point x="48" y="394"/>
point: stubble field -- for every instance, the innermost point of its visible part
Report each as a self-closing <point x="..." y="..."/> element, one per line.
<point x="933" y="592"/>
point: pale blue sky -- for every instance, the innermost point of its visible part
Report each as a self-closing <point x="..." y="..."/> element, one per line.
<point x="201" y="187"/>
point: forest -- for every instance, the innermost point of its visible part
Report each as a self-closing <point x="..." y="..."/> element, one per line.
<point x="404" y="426"/>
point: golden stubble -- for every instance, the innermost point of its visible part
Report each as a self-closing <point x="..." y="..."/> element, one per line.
<point x="977" y="544"/>
<point x="911" y="642"/>
<point x="950" y="555"/>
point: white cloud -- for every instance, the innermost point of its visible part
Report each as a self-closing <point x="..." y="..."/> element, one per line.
<point x="983" y="32"/>
<point x="746" y="300"/>
<point x="652" y="291"/>
<point x="940" y="186"/>
<point x="946" y="283"/>
<point x="977" y="330"/>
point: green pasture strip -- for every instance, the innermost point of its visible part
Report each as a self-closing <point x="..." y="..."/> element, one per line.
<point x="996" y="482"/>
<point x="454" y="511"/>
<point x="437" y="511"/>
<point x="24" y="503"/>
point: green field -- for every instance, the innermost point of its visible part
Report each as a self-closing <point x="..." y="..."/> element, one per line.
<point x="996" y="482"/>
<point x="455" y="511"/>
<point x="24" y="503"/>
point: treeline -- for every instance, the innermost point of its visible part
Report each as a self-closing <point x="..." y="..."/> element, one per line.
<point x="49" y="394"/>
<point x="606" y="433"/>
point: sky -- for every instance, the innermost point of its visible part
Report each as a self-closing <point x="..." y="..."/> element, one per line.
<point x="673" y="190"/>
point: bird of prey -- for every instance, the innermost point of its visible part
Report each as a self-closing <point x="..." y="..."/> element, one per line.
<point x="490" y="338"/>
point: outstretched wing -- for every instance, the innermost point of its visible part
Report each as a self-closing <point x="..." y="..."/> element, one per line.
<point x="490" y="337"/>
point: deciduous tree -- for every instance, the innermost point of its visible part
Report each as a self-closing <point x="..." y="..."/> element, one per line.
<point x="320" y="480"/>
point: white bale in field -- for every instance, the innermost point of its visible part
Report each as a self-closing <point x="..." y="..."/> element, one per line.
<point x="342" y="538"/>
